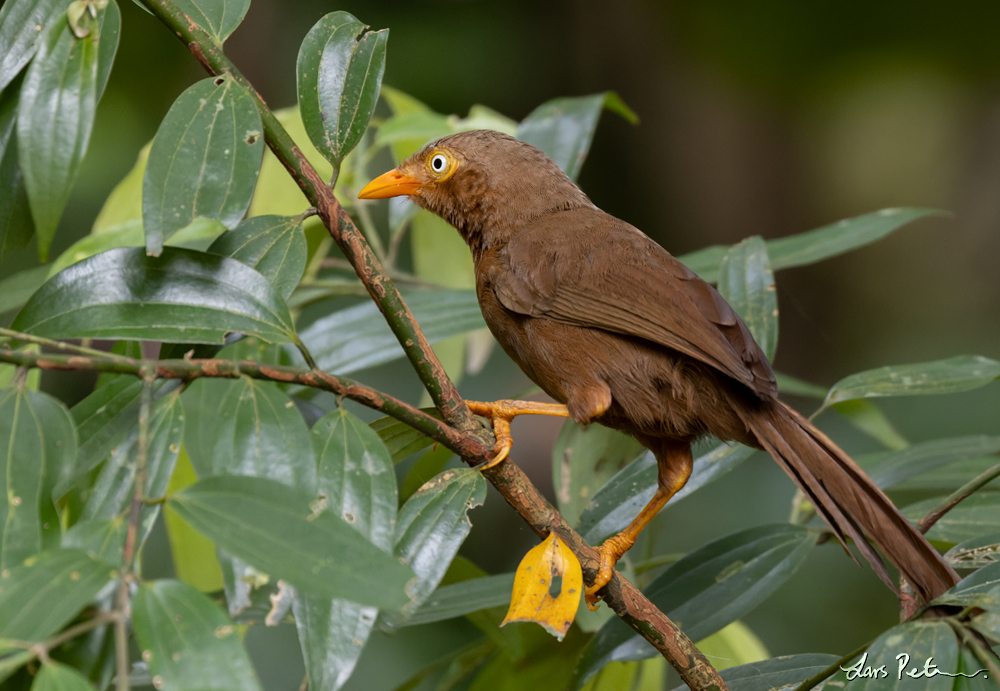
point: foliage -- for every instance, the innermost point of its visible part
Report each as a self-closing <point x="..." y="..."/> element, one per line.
<point x="299" y="496"/>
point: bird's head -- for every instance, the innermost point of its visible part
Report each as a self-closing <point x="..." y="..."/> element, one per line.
<point x="485" y="183"/>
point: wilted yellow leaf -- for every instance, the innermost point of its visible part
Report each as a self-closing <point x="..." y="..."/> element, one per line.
<point x="547" y="587"/>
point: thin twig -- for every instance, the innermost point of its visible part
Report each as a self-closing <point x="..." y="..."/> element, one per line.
<point x="952" y="500"/>
<point x="49" y="343"/>
<point x="100" y="618"/>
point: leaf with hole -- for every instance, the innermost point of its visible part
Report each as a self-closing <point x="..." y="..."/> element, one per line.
<point x="204" y="160"/>
<point x="564" y="127"/>
<point x="187" y="641"/>
<point x="37" y="450"/>
<point x="747" y="283"/>
<point x="275" y="246"/>
<point x="182" y="295"/>
<point x="339" y="70"/>
<point x="285" y="533"/>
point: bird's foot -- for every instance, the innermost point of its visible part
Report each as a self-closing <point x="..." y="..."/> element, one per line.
<point x="501" y="413"/>
<point x="610" y="552"/>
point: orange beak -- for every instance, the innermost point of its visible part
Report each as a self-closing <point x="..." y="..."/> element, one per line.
<point x="391" y="184"/>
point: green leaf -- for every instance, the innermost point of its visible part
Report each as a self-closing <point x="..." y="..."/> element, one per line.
<point x="23" y="24"/>
<point x="218" y="18"/>
<point x="430" y="464"/>
<point x="17" y="288"/>
<point x="204" y="160"/>
<point x="950" y="477"/>
<point x="38" y="444"/>
<point x="273" y="245"/>
<point x="124" y="204"/>
<point x="16" y="225"/>
<point x="732" y="645"/>
<point x="954" y="375"/>
<point x="183" y="295"/>
<point x="103" y="540"/>
<point x="747" y="283"/>
<point x="466" y="597"/>
<point x="975" y="553"/>
<point x="339" y="70"/>
<point x="708" y="589"/>
<point x="815" y="245"/>
<point x="39" y="596"/>
<point x="357" y="482"/>
<point x="564" y="127"/>
<point x="618" y="502"/>
<point x="870" y="419"/>
<point x="584" y="458"/>
<point x="915" y="642"/>
<point x="194" y="555"/>
<point x="56" y="677"/>
<point x="110" y="26"/>
<point x="797" y="387"/>
<point x="976" y="516"/>
<point x="358" y="337"/>
<point x="401" y="440"/>
<point x="187" y="641"/>
<point x="282" y="532"/>
<point x="248" y="427"/>
<point x="981" y="588"/>
<point x="776" y="673"/>
<point x="431" y="527"/>
<point x="890" y="469"/>
<point x="54" y="121"/>
<point x="112" y="491"/>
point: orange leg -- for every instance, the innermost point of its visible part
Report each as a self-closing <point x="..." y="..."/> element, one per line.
<point x="674" y="463"/>
<point x="502" y="412"/>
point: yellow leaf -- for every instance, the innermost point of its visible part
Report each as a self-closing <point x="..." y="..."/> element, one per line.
<point x="547" y="587"/>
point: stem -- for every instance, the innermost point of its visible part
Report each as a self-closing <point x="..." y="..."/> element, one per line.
<point x="50" y="343"/>
<point x="812" y="681"/>
<point x="342" y="229"/>
<point x="952" y="500"/>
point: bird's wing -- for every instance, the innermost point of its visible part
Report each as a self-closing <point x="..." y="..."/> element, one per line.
<point x="590" y="269"/>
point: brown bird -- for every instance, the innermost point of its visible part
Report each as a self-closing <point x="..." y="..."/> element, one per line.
<point x="607" y="322"/>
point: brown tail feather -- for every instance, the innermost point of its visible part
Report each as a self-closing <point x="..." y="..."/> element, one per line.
<point x="848" y="500"/>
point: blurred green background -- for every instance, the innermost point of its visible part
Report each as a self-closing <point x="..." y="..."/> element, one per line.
<point x="765" y="118"/>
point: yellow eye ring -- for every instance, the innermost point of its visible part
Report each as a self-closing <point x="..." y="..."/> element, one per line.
<point x="441" y="165"/>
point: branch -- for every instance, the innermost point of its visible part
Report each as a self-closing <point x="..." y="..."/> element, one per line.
<point x="952" y="500"/>
<point x="347" y="236"/>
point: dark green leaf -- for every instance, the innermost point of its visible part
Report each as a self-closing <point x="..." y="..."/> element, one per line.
<point x="204" y="161"/>
<point x="248" y="427"/>
<point x="283" y="532"/>
<point x="110" y="22"/>
<point x="915" y="642"/>
<point x="219" y="18"/>
<point x="584" y="458"/>
<point x="776" y="673"/>
<point x="356" y="481"/>
<point x="975" y="553"/>
<point x="400" y="439"/>
<point x="962" y="373"/>
<point x="617" y="503"/>
<point x="430" y="464"/>
<point x="976" y="516"/>
<point x="273" y="245"/>
<point x="890" y="469"/>
<point x="103" y="540"/>
<point x="23" y="24"/>
<point x="797" y="387"/>
<point x="37" y="449"/>
<point x="431" y="527"/>
<point x="40" y="595"/>
<point x="459" y="599"/>
<point x="747" y="283"/>
<point x="183" y="295"/>
<point x="981" y="588"/>
<point x="815" y="245"/>
<point x="870" y="419"/>
<point x="952" y="476"/>
<point x="708" y="589"/>
<point x="187" y="641"/>
<point x="564" y="127"/>
<point x="16" y="225"/>
<point x="55" y="117"/>
<point x="358" y="337"/>
<point x="17" y="288"/>
<point x="339" y="71"/>
<point x="56" y="677"/>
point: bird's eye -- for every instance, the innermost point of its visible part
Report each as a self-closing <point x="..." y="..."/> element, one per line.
<point x="439" y="163"/>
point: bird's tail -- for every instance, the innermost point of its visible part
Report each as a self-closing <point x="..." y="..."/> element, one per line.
<point x="848" y="500"/>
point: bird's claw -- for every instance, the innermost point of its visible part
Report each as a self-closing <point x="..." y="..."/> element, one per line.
<point x="609" y="552"/>
<point x="501" y="413"/>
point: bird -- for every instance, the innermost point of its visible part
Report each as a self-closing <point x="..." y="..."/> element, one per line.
<point x="620" y="333"/>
